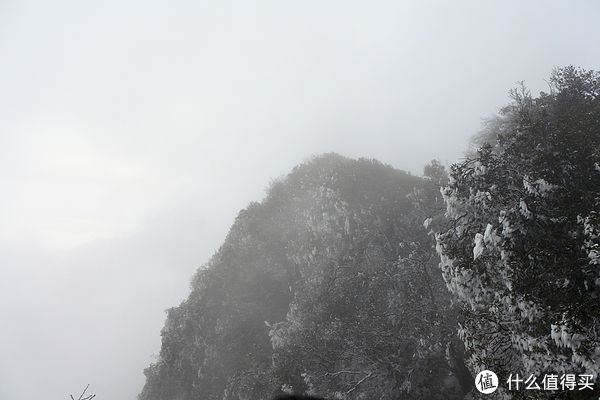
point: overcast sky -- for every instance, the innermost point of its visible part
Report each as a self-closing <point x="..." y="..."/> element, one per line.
<point x="132" y="132"/>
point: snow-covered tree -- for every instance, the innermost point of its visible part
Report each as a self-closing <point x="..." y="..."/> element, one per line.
<point x="521" y="248"/>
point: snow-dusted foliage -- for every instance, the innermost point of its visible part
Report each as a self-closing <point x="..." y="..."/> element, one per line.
<point x="330" y="285"/>
<point x="371" y="317"/>
<point x="521" y="249"/>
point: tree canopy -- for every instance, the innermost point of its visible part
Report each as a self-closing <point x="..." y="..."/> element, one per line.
<point x="520" y="250"/>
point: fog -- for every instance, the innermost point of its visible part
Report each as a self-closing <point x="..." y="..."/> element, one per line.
<point x="131" y="134"/>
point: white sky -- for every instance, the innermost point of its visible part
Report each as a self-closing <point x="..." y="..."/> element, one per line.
<point x="131" y="134"/>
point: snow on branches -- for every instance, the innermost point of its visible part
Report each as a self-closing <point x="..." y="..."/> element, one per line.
<point x="521" y="251"/>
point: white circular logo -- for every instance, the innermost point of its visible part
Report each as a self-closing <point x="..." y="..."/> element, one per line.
<point x="486" y="382"/>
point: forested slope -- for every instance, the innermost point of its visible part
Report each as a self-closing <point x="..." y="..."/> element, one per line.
<point x="330" y="285"/>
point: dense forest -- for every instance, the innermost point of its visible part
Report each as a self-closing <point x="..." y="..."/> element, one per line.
<point x="354" y="280"/>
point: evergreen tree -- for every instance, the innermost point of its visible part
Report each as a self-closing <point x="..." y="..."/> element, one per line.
<point x="520" y="250"/>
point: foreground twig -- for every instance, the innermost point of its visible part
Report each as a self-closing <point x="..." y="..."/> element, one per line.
<point x="90" y="397"/>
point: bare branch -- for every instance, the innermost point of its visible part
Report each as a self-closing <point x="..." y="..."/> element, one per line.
<point x="81" y="396"/>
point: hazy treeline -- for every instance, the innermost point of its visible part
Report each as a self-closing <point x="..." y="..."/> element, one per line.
<point x="332" y="284"/>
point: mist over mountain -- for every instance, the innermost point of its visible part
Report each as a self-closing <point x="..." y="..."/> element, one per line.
<point x="355" y="280"/>
<point x="329" y="285"/>
<point x="132" y="133"/>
